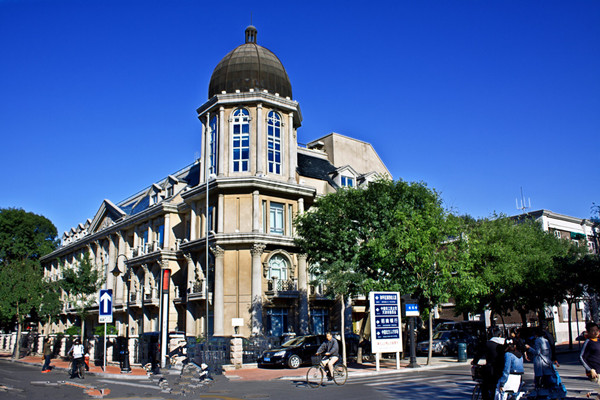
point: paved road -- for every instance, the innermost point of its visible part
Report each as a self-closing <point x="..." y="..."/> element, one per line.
<point x="18" y="381"/>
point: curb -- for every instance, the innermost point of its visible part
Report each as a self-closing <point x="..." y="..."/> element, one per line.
<point x="100" y="374"/>
<point x="404" y="370"/>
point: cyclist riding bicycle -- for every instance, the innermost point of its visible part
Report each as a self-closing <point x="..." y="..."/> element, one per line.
<point x="330" y="351"/>
<point x="78" y="352"/>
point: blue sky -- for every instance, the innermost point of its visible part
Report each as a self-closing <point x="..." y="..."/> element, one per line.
<point x="475" y="98"/>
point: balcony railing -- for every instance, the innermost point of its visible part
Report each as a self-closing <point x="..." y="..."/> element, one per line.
<point x="318" y="290"/>
<point x="282" y="287"/>
<point x="197" y="290"/>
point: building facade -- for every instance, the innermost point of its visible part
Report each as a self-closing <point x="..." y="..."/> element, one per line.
<point x="223" y="226"/>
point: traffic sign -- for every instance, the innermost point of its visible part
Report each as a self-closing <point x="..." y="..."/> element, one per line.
<point x="386" y="332"/>
<point x="105" y="314"/>
<point x="411" y="309"/>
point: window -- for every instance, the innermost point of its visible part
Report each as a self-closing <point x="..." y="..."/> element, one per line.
<point x="211" y="227"/>
<point x="170" y="191"/>
<point x="161" y="236"/>
<point x="241" y="140"/>
<point x="276" y="218"/>
<point x="274" y="142"/>
<point x="277" y="321"/>
<point x="319" y="319"/>
<point x="347" y="181"/>
<point x="212" y="146"/>
<point x="278" y="268"/>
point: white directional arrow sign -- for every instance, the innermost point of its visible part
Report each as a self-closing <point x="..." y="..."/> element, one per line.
<point x="105" y="312"/>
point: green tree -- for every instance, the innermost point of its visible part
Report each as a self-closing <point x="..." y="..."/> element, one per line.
<point x="515" y="264"/>
<point x="389" y="236"/>
<point x="24" y="238"/>
<point x="81" y="281"/>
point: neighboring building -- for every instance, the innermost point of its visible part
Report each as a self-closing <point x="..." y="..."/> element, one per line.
<point x="239" y="201"/>
<point x="583" y="232"/>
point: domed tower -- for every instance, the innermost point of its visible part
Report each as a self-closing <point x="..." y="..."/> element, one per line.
<point x="250" y="120"/>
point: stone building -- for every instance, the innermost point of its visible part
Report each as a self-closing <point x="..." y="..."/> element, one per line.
<point x="223" y="226"/>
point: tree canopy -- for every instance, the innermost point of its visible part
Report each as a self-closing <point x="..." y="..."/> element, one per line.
<point x="24" y="238"/>
<point x="25" y="235"/>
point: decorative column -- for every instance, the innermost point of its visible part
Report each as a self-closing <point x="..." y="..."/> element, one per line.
<point x="256" y="293"/>
<point x="303" y="289"/>
<point x="167" y="233"/>
<point x="110" y="278"/>
<point x="260" y="141"/>
<point x="221" y="142"/>
<point x="255" y="212"/>
<point x="220" y="206"/>
<point x="190" y="323"/>
<point x="292" y="149"/>
<point x="203" y="149"/>
<point x="300" y="205"/>
<point x="119" y="261"/>
<point x="219" y="295"/>
<point x="193" y="220"/>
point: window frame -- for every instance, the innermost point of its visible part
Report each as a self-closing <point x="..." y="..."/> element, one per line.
<point x="274" y="143"/>
<point x="240" y="120"/>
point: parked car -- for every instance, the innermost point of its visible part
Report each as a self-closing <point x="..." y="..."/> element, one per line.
<point x="293" y="353"/>
<point x="446" y="342"/>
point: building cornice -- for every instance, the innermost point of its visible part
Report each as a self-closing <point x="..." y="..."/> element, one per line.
<point x="282" y="103"/>
<point x="252" y="183"/>
<point x="119" y="225"/>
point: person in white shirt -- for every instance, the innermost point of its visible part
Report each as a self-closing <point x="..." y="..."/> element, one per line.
<point x="78" y="353"/>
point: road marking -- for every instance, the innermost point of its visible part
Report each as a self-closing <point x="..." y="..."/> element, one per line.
<point x="130" y="384"/>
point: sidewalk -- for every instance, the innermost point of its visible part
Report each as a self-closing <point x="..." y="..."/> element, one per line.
<point x="253" y="373"/>
<point x="60" y="366"/>
<point x="354" y="370"/>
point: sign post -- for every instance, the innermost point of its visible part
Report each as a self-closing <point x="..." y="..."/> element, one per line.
<point x="411" y="310"/>
<point x="105" y="314"/>
<point x="386" y="328"/>
<point x="164" y="304"/>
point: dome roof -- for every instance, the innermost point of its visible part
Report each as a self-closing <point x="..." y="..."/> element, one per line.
<point x="250" y="66"/>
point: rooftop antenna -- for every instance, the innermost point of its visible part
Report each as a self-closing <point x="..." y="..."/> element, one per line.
<point x="524" y="205"/>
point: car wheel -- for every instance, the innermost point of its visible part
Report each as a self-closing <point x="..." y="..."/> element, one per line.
<point x="294" y="361"/>
<point x="445" y="351"/>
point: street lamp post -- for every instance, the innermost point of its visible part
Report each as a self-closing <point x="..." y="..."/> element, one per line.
<point x="125" y="366"/>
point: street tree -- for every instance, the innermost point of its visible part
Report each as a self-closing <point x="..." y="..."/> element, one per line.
<point x="385" y="237"/>
<point x="515" y="264"/>
<point x="81" y="282"/>
<point x="24" y="238"/>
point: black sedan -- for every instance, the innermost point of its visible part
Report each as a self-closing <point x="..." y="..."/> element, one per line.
<point x="446" y="343"/>
<point x="293" y="353"/>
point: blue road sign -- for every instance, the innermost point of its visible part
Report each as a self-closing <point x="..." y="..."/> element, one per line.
<point x="412" y="310"/>
<point x="106" y="309"/>
<point x="385" y="322"/>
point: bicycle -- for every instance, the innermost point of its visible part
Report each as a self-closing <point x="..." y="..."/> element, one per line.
<point x="512" y="387"/>
<point x="80" y="372"/>
<point x="314" y="376"/>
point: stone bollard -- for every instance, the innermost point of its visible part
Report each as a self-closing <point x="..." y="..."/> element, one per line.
<point x="63" y="347"/>
<point x="40" y="346"/>
<point x="236" y="352"/>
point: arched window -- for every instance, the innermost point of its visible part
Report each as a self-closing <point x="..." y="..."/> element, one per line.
<point x="212" y="146"/>
<point x="241" y="140"/>
<point x="274" y="142"/>
<point x="278" y="268"/>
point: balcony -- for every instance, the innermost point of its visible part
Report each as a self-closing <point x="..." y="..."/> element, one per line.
<point x="151" y="296"/>
<point x="282" y="288"/>
<point x="318" y="290"/>
<point x="135" y="299"/>
<point x="146" y="248"/>
<point x="197" y="291"/>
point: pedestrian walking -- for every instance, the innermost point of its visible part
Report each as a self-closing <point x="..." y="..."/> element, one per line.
<point x="47" y="351"/>
<point x="590" y="354"/>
